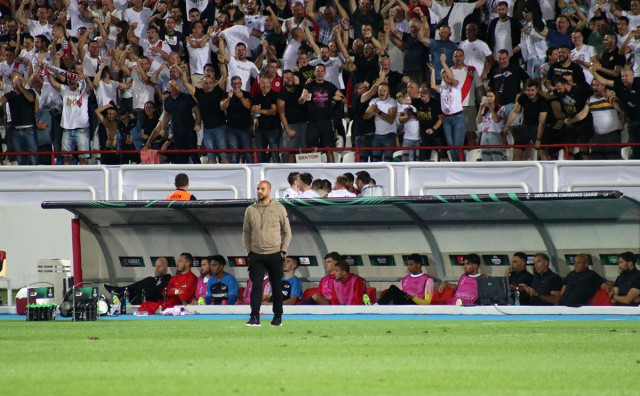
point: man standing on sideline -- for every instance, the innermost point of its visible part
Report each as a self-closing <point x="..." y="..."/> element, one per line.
<point x="266" y="235"/>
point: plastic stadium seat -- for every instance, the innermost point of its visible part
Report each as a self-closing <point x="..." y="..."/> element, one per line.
<point x="625" y="152"/>
<point x="241" y="293"/>
<point x="382" y="293"/>
<point x="340" y="142"/>
<point x="349" y="157"/>
<point x="308" y="293"/>
<point x="601" y="298"/>
<point x="371" y="292"/>
<point x="474" y="155"/>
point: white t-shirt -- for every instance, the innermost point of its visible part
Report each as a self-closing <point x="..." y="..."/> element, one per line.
<point x="75" y="108"/>
<point x="290" y="55"/>
<point x="77" y="21"/>
<point x="6" y="70"/>
<point x="475" y="54"/>
<point x="290" y="193"/>
<point x="634" y="45"/>
<point x="489" y="125"/>
<point x="107" y="92"/>
<point x="382" y="126"/>
<point x="341" y="194"/>
<point x="35" y="29"/>
<point x="458" y="14"/>
<point x="634" y="21"/>
<point x="198" y="57"/>
<point x="156" y="59"/>
<point x="199" y="4"/>
<point x="461" y="75"/>
<point x="245" y="70"/>
<point x="89" y="65"/>
<point x="254" y="22"/>
<point x="142" y="18"/>
<point x="584" y="54"/>
<point x="142" y="93"/>
<point x="411" y="128"/>
<point x="503" y="38"/>
<point x="308" y="194"/>
<point x="234" y="35"/>
<point x="334" y="70"/>
<point x="451" y="98"/>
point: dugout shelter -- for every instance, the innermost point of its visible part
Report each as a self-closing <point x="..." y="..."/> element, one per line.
<point x="116" y="242"/>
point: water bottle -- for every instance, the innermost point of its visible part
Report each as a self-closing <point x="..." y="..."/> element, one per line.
<point x="144" y="296"/>
<point x="516" y="297"/>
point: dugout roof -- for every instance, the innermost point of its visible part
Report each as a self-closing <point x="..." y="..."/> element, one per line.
<point x="380" y="224"/>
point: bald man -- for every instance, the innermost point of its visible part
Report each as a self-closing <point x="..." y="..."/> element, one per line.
<point x="153" y="286"/>
<point x="266" y="235"/>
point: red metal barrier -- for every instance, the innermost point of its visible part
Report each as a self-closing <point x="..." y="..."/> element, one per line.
<point x="461" y="149"/>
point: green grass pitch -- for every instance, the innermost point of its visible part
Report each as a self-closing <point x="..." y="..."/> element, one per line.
<point x="320" y="357"/>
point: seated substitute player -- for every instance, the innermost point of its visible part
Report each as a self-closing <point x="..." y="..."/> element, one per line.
<point x="182" y="287"/>
<point x="203" y="280"/>
<point x="325" y="287"/>
<point x="546" y="285"/>
<point x="518" y="275"/>
<point x="415" y="288"/>
<point x="181" y="193"/>
<point x="348" y="288"/>
<point x="153" y="287"/>
<point x="222" y="287"/>
<point x="626" y="289"/>
<point x="291" y="285"/>
<point x="466" y="290"/>
<point x="581" y="284"/>
<point x="266" y="287"/>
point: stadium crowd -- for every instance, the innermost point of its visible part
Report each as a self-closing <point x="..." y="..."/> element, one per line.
<point x="340" y="286"/>
<point x="150" y="75"/>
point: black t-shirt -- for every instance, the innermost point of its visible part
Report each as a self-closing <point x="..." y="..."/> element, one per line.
<point x="360" y="125"/>
<point x="180" y="111"/>
<point x="366" y="69"/>
<point x="507" y="82"/>
<point x="426" y="113"/>
<point x="320" y="105"/>
<point x="294" y="112"/>
<point x="523" y="277"/>
<point x="209" y="104"/>
<point x="416" y="54"/>
<point x="304" y="73"/>
<point x="174" y="40"/>
<point x="371" y="18"/>
<point x="574" y="101"/>
<point x="238" y="116"/>
<point x="22" y="111"/>
<point x="627" y="281"/>
<point x="609" y="60"/>
<point x="580" y="287"/>
<point x="557" y="69"/>
<point x="531" y="110"/>
<point x="545" y="284"/>
<point x="629" y="97"/>
<point x="266" y="122"/>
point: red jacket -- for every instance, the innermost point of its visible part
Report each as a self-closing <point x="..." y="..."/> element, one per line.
<point x="186" y="283"/>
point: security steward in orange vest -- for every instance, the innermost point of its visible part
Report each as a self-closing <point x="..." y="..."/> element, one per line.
<point x="181" y="193"/>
